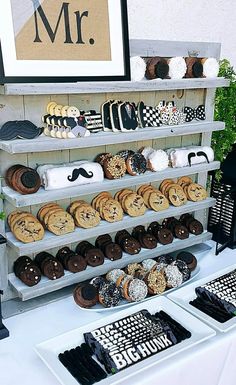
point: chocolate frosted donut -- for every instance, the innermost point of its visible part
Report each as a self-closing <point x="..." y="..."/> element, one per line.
<point x="109" y="295"/>
<point x="85" y="295"/>
<point x="188" y="258"/>
<point x="194" y="67"/>
<point x="136" y="164"/>
<point x="157" y="68"/>
<point x="114" y="167"/>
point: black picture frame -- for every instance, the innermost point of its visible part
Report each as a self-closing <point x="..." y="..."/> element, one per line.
<point x="67" y="79"/>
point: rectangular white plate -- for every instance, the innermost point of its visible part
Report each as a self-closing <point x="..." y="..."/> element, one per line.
<point x="49" y="350"/>
<point x="184" y="295"/>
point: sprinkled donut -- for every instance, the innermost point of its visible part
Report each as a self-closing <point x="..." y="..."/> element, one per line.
<point x="136" y="164"/>
<point x="173" y="276"/>
<point x="109" y="295"/>
<point x="114" y="167"/>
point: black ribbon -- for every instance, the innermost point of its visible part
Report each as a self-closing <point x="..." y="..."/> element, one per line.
<point x="79" y="171"/>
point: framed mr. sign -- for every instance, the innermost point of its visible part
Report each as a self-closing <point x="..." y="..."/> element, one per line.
<point x="63" y="40"/>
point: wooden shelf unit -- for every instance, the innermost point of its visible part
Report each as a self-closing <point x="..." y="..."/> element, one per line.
<point x="28" y="101"/>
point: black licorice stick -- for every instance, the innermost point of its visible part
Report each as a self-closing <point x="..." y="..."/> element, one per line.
<point x="77" y="362"/>
<point x="176" y="324"/>
<point x="87" y="351"/>
<point x="73" y="371"/>
<point x="95" y="369"/>
<point x="78" y="365"/>
<point x="179" y="336"/>
<point x="211" y="309"/>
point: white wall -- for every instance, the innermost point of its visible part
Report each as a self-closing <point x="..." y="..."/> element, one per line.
<point x="188" y="20"/>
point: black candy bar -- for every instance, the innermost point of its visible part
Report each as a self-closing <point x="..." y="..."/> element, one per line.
<point x="212" y="310"/>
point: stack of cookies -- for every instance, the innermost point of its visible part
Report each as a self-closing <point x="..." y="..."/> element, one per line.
<point x="131" y="202"/>
<point x="108" y="208"/>
<point x="27" y="271"/>
<point x="25" y="227"/>
<point x="84" y="214"/>
<point x="70" y="260"/>
<point x="56" y="219"/>
<point x="184" y="189"/>
<point x="24" y="180"/>
<point x="153" y="198"/>
<point x="49" y="265"/>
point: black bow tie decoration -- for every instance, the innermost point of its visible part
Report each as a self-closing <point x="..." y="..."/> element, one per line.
<point x="195" y="113"/>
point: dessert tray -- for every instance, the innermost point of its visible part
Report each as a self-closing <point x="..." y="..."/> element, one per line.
<point x="49" y="350"/>
<point x="184" y="295"/>
<point x="123" y="304"/>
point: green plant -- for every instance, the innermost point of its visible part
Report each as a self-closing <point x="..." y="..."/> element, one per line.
<point x="225" y="111"/>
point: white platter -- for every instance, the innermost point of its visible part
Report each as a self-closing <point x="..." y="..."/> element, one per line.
<point x="123" y="304"/>
<point x="48" y="351"/>
<point x="183" y="296"/>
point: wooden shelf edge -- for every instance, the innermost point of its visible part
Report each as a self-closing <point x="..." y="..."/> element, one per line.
<point x="51" y="241"/>
<point x="106" y="87"/>
<point x="44" y="143"/>
<point x="46" y="286"/>
<point x="43" y="196"/>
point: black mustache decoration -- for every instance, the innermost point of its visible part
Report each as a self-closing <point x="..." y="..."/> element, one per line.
<point x="79" y="171"/>
<point x="23" y="129"/>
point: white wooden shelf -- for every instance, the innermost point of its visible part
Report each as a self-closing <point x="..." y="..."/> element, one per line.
<point x="47" y="286"/>
<point x="51" y="241"/>
<point x="43" y="196"/>
<point x="44" y="143"/>
<point x="103" y="87"/>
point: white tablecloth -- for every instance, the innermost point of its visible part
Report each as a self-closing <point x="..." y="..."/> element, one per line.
<point x="210" y="363"/>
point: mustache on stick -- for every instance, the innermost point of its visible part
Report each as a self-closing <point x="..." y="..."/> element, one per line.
<point x="79" y="171"/>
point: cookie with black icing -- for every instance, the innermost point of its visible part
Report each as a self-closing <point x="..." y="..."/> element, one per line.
<point x="157" y="67"/>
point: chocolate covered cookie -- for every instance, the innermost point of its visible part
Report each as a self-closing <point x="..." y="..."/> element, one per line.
<point x="85" y="295"/>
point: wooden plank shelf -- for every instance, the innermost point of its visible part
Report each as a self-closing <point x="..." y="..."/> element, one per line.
<point x="103" y="87"/>
<point x="44" y="143"/>
<point x="47" y="286"/>
<point x="51" y="241"/>
<point x="43" y="196"/>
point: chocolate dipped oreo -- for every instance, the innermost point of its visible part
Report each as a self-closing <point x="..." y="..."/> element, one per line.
<point x="130" y="246"/>
<point x="93" y="256"/>
<point x="85" y="295"/>
<point x="188" y="258"/>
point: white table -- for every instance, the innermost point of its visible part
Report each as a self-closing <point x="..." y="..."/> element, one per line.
<point x="210" y="363"/>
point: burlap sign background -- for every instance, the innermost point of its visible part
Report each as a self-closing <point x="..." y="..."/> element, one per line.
<point x="61" y="30"/>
